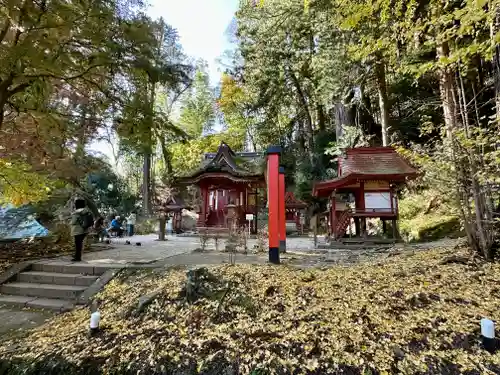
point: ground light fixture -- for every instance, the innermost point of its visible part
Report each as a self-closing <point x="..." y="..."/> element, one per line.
<point x="488" y="335"/>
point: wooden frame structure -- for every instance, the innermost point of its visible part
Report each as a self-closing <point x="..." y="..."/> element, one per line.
<point x="369" y="178"/>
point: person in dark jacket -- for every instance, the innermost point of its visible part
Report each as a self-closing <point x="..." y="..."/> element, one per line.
<point x="80" y="219"/>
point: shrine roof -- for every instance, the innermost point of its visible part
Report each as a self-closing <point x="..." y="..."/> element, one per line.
<point x="175" y="202"/>
<point x="367" y="163"/>
<point x="227" y="163"/>
<point x="292" y="202"/>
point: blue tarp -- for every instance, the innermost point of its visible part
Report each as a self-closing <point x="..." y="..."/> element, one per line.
<point x="19" y="222"/>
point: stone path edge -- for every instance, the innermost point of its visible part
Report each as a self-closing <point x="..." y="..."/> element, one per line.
<point x="86" y="297"/>
<point x="14" y="270"/>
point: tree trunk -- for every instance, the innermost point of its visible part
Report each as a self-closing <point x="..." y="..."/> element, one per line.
<point x="383" y="102"/>
<point x="162" y="225"/>
<point x="494" y="28"/>
<point x="342" y="118"/>
<point x="482" y="217"/>
<point x="81" y="140"/>
<point x="308" y="129"/>
<point x="446" y="88"/>
<point x="146" y="184"/>
<point x="167" y="160"/>
<point x="321" y="118"/>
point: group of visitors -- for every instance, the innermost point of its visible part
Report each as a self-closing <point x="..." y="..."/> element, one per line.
<point x="118" y="225"/>
<point x="82" y="221"/>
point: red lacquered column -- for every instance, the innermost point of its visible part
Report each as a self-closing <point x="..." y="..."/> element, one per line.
<point x="273" y="159"/>
<point x="282" y="210"/>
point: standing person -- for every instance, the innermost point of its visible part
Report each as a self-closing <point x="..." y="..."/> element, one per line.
<point x="81" y="221"/>
<point x="131" y="219"/>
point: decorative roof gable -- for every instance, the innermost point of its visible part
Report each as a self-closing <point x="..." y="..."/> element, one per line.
<point x="226" y="161"/>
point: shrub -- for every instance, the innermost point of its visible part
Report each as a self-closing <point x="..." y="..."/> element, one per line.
<point x="146" y="226"/>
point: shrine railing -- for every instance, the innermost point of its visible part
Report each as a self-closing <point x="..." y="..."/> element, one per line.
<point x="374" y="211"/>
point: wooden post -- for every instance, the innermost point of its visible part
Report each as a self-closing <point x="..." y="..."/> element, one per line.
<point x="282" y="211"/>
<point x="256" y="210"/>
<point x="333" y="215"/>
<point x="162" y="222"/>
<point x="394" y="229"/>
<point x="273" y="159"/>
<point x="362" y="207"/>
<point x="364" y="233"/>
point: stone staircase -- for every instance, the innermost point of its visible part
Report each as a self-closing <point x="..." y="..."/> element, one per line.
<point x="53" y="285"/>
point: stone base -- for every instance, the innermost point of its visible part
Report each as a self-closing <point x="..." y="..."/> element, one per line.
<point x="274" y="255"/>
<point x="282" y="246"/>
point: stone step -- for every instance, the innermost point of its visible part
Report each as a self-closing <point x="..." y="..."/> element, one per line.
<point x="51" y="291"/>
<point x="41" y="277"/>
<point x="73" y="268"/>
<point x="59" y="305"/>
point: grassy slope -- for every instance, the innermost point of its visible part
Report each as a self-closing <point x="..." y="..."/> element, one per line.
<point x="408" y="314"/>
<point x="418" y="225"/>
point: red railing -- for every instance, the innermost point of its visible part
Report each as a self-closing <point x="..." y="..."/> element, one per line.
<point x="342" y="224"/>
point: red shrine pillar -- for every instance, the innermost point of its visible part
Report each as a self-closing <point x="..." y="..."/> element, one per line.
<point x="204" y="204"/>
<point x="273" y="159"/>
<point x="282" y="211"/>
<point x="333" y="214"/>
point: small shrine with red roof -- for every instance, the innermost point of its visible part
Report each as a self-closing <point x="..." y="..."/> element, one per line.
<point x="173" y="207"/>
<point x="229" y="182"/>
<point x="294" y="210"/>
<point x="366" y="187"/>
<point x="233" y="185"/>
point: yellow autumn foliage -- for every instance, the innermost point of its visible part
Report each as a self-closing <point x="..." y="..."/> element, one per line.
<point x="406" y="314"/>
<point x="20" y="185"/>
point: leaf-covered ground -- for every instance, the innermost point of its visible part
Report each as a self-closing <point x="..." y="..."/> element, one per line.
<point x="409" y="314"/>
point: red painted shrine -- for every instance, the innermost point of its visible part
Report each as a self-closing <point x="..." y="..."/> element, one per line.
<point x="369" y="178"/>
<point x="294" y="210"/>
<point x="173" y="207"/>
<point x="229" y="183"/>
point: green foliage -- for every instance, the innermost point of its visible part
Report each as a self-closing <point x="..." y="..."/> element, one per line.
<point x="109" y="191"/>
<point x="187" y="156"/>
<point x="426" y="215"/>
<point x="352" y="137"/>
<point x="146" y="226"/>
<point x="145" y="117"/>
<point x="198" y="105"/>
<point x="430" y="227"/>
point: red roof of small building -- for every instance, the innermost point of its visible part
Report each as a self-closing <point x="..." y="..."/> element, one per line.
<point x="292" y="202"/>
<point x="367" y="163"/>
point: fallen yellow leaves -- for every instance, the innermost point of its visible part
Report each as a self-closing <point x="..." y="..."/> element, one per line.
<point x="409" y="314"/>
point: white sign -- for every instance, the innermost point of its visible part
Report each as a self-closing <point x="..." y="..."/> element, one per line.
<point x="379" y="200"/>
<point x="249" y="217"/>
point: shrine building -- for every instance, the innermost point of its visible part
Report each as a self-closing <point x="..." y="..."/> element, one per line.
<point x="366" y="187"/>
<point x="233" y="186"/>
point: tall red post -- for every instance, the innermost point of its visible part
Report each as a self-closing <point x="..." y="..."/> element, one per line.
<point x="282" y="210"/>
<point x="273" y="160"/>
